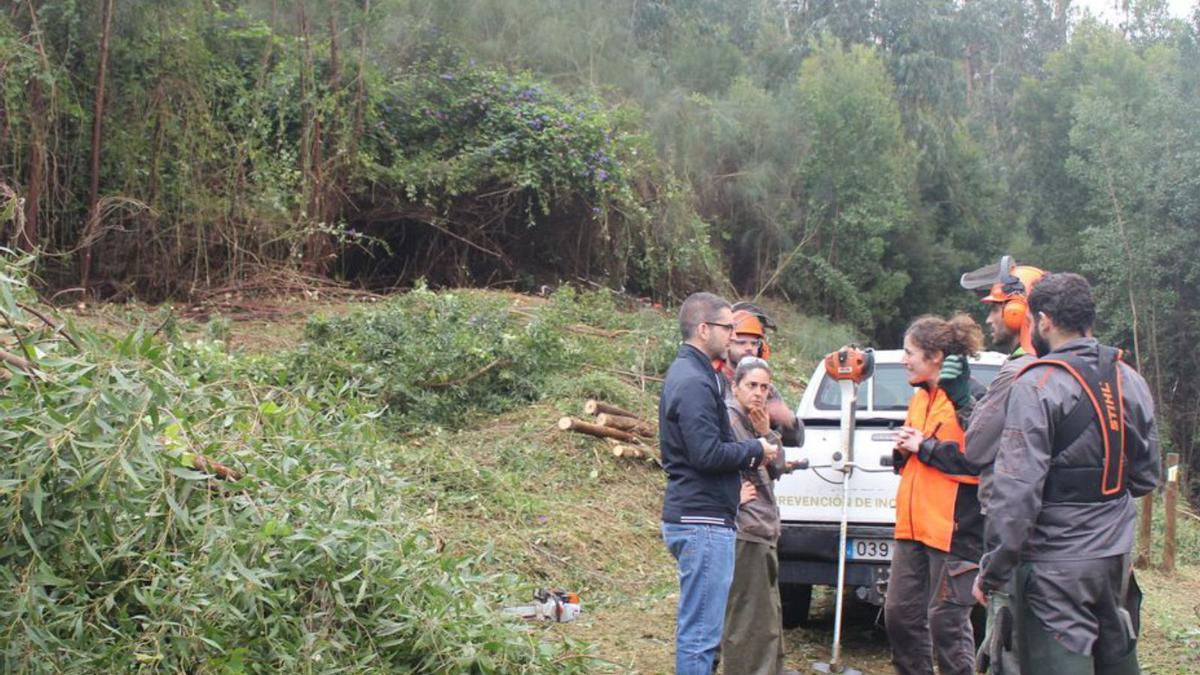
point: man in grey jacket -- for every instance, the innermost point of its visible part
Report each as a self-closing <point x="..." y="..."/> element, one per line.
<point x="1011" y="326"/>
<point x="1079" y="443"/>
<point x="1012" y="329"/>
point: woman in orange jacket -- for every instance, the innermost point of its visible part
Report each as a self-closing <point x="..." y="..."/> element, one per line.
<point x="939" y="528"/>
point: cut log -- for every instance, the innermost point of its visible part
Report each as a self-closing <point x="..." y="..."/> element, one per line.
<point x="628" y="451"/>
<point x="571" y="424"/>
<point x="594" y="407"/>
<point x="631" y="424"/>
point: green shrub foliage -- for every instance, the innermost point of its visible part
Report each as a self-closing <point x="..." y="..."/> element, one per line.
<point x="438" y="358"/>
<point x="118" y="555"/>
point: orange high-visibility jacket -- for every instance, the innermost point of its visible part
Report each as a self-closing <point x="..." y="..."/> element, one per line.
<point x="938" y="509"/>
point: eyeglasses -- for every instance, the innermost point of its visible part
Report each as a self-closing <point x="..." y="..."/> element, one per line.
<point x="727" y="326"/>
<point x="747" y="342"/>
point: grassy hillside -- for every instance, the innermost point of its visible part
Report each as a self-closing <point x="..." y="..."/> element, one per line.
<point x="404" y="481"/>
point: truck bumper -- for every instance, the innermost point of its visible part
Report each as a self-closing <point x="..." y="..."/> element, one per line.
<point x="808" y="555"/>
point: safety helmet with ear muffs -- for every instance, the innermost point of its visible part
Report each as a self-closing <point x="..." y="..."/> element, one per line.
<point x="1012" y="286"/>
<point x="757" y="324"/>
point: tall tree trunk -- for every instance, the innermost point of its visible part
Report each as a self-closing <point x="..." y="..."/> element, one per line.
<point x="27" y="239"/>
<point x="360" y="93"/>
<point x="315" y="258"/>
<point x="93" y="214"/>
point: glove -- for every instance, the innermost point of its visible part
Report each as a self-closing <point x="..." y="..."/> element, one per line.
<point x="955" y="380"/>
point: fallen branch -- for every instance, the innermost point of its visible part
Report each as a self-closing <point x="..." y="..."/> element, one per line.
<point x="571" y="424"/>
<point x="631" y="424"/>
<point x="584" y="329"/>
<point x="641" y="377"/>
<point x="464" y="380"/>
<point x="202" y="463"/>
<point x="56" y="327"/>
<point x="16" y="361"/>
<point x="594" y="407"/>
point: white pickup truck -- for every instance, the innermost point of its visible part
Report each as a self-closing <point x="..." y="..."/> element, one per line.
<point x="810" y="501"/>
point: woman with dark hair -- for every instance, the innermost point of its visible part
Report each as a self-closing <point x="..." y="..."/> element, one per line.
<point x="939" y="528"/>
<point x="752" y="643"/>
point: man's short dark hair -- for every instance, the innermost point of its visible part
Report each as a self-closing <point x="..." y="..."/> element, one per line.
<point x="698" y="308"/>
<point x="1067" y="299"/>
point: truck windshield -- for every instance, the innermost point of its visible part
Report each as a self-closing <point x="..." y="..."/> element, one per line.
<point x="891" y="388"/>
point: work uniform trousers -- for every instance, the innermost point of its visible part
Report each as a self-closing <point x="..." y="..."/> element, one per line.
<point x="752" y="643"/>
<point x="1069" y="618"/>
<point x="928" y="611"/>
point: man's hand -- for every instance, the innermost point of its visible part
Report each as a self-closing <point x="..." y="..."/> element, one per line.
<point x="977" y="591"/>
<point x="748" y="493"/>
<point x="760" y="421"/>
<point x="770" y="452"/>
<point x="780" y="414"/>
<point x="908" y="440"/>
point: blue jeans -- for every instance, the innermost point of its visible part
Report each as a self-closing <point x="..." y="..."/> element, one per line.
<point x="705" y="555"/>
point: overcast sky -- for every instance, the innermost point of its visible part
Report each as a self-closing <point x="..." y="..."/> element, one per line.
<point x="1105" y="8"/>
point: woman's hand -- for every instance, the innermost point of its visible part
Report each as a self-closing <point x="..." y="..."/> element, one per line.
<point x="760" y="420"/>
<point x="908" y="440"/>
<point x="748" y="493"/>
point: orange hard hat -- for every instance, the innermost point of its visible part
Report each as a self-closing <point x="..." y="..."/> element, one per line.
<point x="746" y="323"/>
<point x="1017" y="283"/>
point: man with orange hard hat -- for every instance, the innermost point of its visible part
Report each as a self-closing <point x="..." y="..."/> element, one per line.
<point x="1011" y="326"/>
<point x="1006" y="287"/>
<point x="750" y="339"/>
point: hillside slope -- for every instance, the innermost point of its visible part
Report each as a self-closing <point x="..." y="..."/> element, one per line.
<point x="493" y="482"/>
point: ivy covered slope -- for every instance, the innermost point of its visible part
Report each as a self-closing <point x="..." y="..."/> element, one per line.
<point x="118" y="554"/>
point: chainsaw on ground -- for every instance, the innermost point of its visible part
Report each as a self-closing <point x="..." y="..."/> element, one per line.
<point x="552" y="605"/>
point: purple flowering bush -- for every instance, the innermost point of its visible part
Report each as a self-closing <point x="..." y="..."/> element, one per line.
<point x="449" y="132"/>
<point x="564" y="184"/>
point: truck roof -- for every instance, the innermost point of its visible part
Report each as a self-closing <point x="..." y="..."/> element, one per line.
<point x="810" y="410"/>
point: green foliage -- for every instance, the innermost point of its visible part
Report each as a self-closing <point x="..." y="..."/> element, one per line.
<point x="858" y="171"/>
<point x="852" y="156"/>
<point x="119" y="555"/>
<point x="447" y="129"/>
<point x="437" y="358"/>
<point x="1117" y="162"/>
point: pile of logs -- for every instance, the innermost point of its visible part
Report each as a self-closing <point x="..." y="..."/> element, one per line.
<point x="629" y="434"/>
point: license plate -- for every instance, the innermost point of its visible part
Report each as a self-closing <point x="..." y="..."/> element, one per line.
<point x="868" y="549"/>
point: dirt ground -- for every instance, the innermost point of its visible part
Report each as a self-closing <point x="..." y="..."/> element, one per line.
<point x="638" y="637"/>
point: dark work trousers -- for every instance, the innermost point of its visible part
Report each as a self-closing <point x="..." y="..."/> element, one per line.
<point x="753" y="640"/>
<point x="1063" y="608"/>
<point x="928" y="611"/>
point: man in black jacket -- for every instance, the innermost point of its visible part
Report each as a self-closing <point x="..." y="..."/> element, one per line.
<point x="702" y="461"/>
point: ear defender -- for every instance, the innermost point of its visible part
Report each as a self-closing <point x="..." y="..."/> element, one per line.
<point x="1014" y="313"/>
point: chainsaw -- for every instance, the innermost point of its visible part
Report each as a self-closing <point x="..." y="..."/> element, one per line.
<point x="558" y="606"/>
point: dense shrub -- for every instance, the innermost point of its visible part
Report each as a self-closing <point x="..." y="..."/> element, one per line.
<point x="438" y="358"/>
